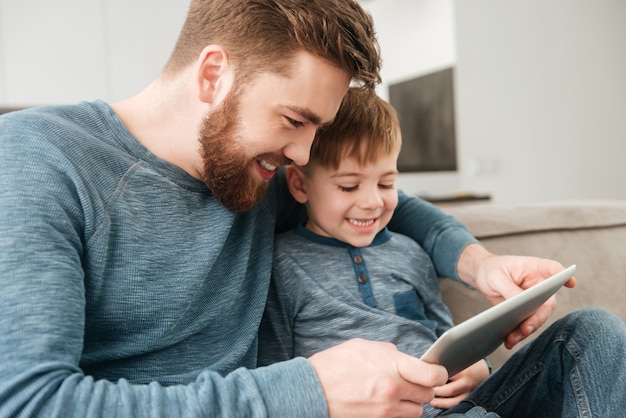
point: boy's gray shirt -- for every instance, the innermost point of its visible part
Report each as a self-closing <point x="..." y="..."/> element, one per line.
<point x="324" y="292"/>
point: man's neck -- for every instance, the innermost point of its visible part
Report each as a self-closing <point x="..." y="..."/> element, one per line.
<point x="164" y="119"/>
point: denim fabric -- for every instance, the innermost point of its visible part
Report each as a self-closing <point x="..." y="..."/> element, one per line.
<point x="576" y="368"/>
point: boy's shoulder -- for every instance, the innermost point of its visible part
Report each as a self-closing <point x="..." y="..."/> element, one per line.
<point x="290" y="242"/>
<point x="403" y="241"/>
<point x="300" y="246"/>
<point x="287" y="236"/>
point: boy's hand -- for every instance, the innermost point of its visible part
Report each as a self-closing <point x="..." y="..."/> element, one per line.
<point x="373" y="379"/>
<point x="460" y="385"/>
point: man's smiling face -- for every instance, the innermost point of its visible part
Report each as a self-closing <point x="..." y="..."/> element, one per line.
<point x="267" y="124"/>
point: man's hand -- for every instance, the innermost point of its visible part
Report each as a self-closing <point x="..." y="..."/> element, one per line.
<point x="502" y="277"/>
<point x="374" y="379"/>
<point x="460" y="385"/>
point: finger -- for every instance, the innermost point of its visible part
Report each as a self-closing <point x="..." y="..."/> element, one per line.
<point x="503" y="288"/>
<point x="454" y="387"/>
<point x="571" y="283"/>
<point x="447" y="390"/>
<point x="447" y="403"/>
<point x="532" y="323"/>
<point x="420" y="373"/>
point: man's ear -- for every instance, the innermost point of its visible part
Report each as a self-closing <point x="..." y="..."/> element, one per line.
<point x="295" y="182"/>
<point x="214" y="74"/>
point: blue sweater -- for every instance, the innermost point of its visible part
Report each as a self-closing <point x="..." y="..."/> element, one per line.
<point x="128" y="290"/>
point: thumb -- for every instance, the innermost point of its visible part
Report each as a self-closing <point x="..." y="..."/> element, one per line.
<point x="501" y="288"/>
<point x="419" y="372"/>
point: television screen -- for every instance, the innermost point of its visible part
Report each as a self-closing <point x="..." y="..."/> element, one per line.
<point x="425" y="107"/>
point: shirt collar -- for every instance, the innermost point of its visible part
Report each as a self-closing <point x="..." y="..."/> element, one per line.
<point x="380" y="238"/>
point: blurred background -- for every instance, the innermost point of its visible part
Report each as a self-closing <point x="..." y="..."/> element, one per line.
<point x="533" y="94"/>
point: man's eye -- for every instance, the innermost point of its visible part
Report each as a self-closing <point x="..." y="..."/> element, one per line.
<point x="295" y="123"/>
<point x="348" y="188"/>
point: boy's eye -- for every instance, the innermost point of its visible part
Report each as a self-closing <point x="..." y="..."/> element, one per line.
<point x="387" y="186"/>
<point x="295" y="123"/>
<point x="348" y="188"/>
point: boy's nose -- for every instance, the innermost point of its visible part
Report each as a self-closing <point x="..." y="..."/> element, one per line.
<point x="372" y="199"/>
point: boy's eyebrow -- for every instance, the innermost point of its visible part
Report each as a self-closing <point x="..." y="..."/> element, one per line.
<point x="357" y="174"/>
<point x="350" y="174"/>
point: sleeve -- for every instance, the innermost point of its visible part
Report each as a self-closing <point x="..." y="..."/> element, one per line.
<point x="276" y="332"/>
<point x="42" y="320"/>
<point x="442" y="236"/>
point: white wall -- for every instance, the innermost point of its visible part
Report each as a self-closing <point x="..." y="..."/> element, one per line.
<point x="64" y="51"/>
<point x="541" y="98"/>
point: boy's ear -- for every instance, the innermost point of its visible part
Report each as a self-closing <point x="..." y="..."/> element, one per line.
<point x="214" y="74"/>
<point x="295" y="182"/>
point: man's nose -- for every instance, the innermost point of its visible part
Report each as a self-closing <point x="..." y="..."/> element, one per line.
<point x="299" y="149"/>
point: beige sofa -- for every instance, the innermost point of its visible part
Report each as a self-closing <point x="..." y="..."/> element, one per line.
<point x="590" y="234"/>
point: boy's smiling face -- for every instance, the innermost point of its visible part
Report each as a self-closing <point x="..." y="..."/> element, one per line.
<point x="352" y="203"/>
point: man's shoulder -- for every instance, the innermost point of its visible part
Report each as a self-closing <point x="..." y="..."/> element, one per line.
<point x="61" y="128"/>
<point x="65" y="116"/>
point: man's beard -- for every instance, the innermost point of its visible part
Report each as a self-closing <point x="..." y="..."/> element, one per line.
<point x="226" y="165"/>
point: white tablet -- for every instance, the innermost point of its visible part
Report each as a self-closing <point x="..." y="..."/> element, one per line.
<point x="477" y="337"/>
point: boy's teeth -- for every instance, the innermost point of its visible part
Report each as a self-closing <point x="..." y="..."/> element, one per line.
<point x="359" y="222"/>
<point x="267" y="165"/>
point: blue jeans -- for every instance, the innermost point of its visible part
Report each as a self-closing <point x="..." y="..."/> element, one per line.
<point x="576" y="368"/>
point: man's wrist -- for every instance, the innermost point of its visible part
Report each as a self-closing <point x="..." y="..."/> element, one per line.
<point x="472" y="257"/>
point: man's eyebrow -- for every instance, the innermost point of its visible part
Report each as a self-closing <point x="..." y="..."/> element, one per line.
<point x="308" y="115"/>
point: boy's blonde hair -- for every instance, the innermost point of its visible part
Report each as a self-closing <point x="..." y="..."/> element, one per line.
<point x="265" y="35"/>
<point x="364" y="128"/>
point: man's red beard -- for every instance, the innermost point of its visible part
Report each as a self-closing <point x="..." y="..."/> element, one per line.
<point x="226" y="164"/>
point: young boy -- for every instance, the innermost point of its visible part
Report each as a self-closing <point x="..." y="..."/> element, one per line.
<point x="343" y="274"/>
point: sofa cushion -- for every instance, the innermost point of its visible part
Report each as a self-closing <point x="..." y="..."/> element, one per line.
<point x="486" y="221"/>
